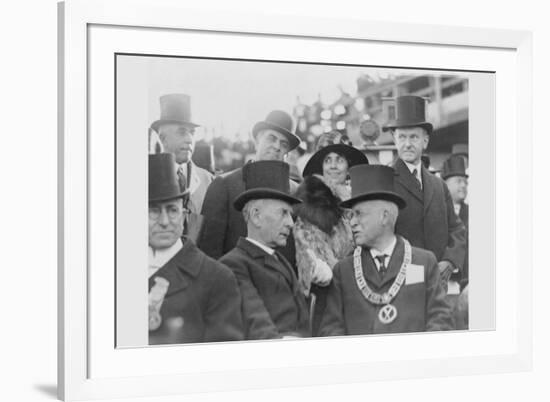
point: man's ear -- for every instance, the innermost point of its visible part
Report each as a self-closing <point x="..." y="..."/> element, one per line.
<point x="426" y="139"/>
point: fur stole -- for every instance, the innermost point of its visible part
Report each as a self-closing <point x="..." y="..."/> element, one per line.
<point x="320" y="206"/>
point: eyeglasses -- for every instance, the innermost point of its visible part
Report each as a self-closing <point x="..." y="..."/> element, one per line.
<point x="172" y="211"/>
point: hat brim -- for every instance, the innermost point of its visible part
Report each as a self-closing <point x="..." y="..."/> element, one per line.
<point x="263" y="193"/>
<point x="156" y="124"/>
<point x="397" y="124"/>
<point x="452" y="174"/>
<point x="315" y="164"/>
<point x="378" y="195"/>
<point x="293" y="140"/>
<point x="170" y="197"/>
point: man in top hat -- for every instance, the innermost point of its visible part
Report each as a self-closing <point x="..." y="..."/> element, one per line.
<point x="387" y="286"/>
<point x="192" y="298"/>
<point x="273" y="305"/>
<point x="176" y="132"/>
<point x="429" y="220"/>
<point x="454" y="174"/>
<point x="273" y="139"/>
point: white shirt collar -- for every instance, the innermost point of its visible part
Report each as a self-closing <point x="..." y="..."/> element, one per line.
<point x="267" y="249"/>
<point x="457" y="208"/>
<point x="388" y="251"/>
<point x="158" y="258"/>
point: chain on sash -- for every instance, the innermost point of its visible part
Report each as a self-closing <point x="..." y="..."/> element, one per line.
<point x="368" y="293"/>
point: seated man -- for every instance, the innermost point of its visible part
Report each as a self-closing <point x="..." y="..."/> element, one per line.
<point x="192" y="298"/>
<point x="273" y="305"/>
<point x="387" y="286"/>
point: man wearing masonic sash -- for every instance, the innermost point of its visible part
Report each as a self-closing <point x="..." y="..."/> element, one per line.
<point x="386" y="286"/>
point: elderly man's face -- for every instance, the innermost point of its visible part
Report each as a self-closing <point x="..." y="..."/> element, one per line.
<point x="458" y="187"/>
<point x="410" y="142"/>
<point x="274" y="221"/>
<point x="271" y="145"/>
<point x="178" y="140"/>
<point x="367" y="222"/>
<point x="166" y="221"/>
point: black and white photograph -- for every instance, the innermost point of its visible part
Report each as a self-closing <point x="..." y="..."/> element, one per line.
<point x="301" y="200"/>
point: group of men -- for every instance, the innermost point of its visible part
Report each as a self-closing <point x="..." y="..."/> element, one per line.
<point x="221" y="252"/>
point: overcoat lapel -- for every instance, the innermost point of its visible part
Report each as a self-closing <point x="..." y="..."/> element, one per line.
<point x="396" y="260"/>
<point x="269" y="261"/>
<point x="188" y="260"/>
<point x="429" y="187"/>
<point x="369" y="269"/>
<point x="407" y="180"/>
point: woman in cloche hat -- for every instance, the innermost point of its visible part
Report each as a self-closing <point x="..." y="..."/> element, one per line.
<point x="322" y="233"/>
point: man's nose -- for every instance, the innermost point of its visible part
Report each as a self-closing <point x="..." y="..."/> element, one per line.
<point x="163" y="218"/>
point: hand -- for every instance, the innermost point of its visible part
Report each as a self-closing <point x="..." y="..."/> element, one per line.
<point x="322" y="273"/>
<point x="445" y="270"/>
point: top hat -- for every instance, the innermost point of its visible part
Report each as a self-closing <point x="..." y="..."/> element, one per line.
<point x="410" y="111"/>
<point x="455" y="165"/>
<point x="163" y="181"/>
<point x="315" y="164"/>
<point x="281" y="122"/>
<point x="265" y="179"/>
<point x="372" y="182"/>
<point x="174" y="109"/>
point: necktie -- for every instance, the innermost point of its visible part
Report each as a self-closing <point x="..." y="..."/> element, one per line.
<point x="381" y="264"/>
<point x="415" y="174"/>
<point x="182" y="181"/>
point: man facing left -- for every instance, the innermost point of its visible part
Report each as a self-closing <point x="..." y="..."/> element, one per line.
<point x="192" y="298"/>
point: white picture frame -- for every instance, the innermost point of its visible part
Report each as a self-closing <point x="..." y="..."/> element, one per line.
<point x="80" y="378"/>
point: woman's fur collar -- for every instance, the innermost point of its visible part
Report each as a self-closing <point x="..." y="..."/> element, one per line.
<point x="320" y="206"/>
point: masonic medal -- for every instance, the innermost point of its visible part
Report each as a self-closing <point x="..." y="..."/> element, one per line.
<point x="387" y="314"/>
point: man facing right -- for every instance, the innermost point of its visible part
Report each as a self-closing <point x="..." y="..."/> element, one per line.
<point x="387" y="286"/>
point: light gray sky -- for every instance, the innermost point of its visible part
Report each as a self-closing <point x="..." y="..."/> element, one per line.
<point x="231" y="96"/>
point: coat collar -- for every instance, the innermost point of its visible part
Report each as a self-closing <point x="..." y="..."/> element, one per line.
<point x="277" y="263"/>
<point x="187" y="262"/>
<point x="405" y="178"/>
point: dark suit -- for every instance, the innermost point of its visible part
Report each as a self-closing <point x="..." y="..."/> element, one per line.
<point x="420" y="304"/>
<point x="223" y="225"/>
<point x="429" y="220"/>
<point x="204" y="293"/>
<point x="462" y="277"/>
<point x="273" y="305"/>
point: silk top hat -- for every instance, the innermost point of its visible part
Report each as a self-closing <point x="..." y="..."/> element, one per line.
<point x="174" y="109"/>
<point x="163" y="180"/>
<point x="410" y="111"/>
<point x="265" y="179"/>
<point x="315" y="164"/>
<point x="455" y="165"/>
<point x="372" y="182"/>
<point x="281" y="122"/>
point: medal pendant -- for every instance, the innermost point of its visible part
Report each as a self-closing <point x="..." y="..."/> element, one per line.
<point x="154" y="320"/>
<point x="387" y="314"/>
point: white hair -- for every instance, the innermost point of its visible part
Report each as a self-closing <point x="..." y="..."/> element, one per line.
<point x="247" y="209"/>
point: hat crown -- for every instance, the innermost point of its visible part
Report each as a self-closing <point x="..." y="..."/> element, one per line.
<point x="281" y="119"/>
<point x="175" y="107"/>
<point x="410" y="109"/>
<point x="273" y="175"/>
<point x="371" y="179"/>
<point x="163" y="181"/>
<point x="455" y="165"/>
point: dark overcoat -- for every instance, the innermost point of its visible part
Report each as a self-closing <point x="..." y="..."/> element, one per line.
<point x="273" y="305"/>
<point x="421" y="304"/>
<point x="223" y="224"/>
<point x="204" y="293"/>
<point x="429" y="220"/>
